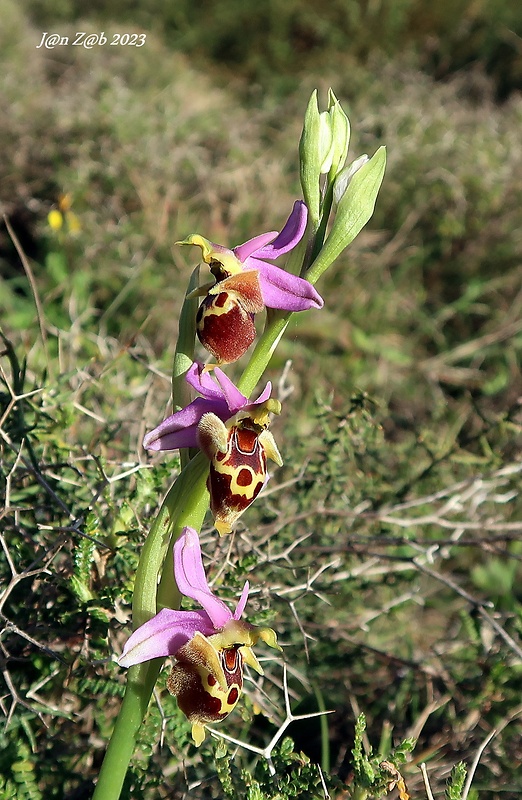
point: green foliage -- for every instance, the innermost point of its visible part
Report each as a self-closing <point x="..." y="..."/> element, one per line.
<point x="18" y="773"/>
<point x="371" y="773"/>
<point x="291" y="775"/>
<point x="456" y="782"/>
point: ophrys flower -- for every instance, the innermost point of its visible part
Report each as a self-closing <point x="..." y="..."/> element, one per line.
<point x="233" y="433"/>
<point x="245" y="283"/>
<point x="210" y="645"/>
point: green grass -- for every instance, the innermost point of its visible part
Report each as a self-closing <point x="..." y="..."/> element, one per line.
<point x="386" y="552"/>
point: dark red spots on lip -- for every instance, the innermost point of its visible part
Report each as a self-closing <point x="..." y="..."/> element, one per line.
<point x="213" y="704"/>
<point x="244" y="477"/>
<point x="220" y="300"/>
<point x="233" y="696"/>
<point x="194" y="699"/>
<point x="221" y="496"/>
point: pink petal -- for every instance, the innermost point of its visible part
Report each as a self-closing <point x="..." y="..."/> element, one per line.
<point x="291" y="234"/>
<point x="163" y="635"/>
<point x="200" y="380"/>
<point x="192" y="581"/>
<point x="265" y="394"/>
<point x="242" y="601"/>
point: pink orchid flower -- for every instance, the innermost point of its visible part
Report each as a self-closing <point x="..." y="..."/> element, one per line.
<point x="210" y="645"/>
<point x="246" y="283"/>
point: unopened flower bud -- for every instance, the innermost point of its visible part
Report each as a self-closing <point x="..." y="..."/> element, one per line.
<point x="311" y="157"/>
<point x="340" y="127"/>
<point x="322" y="149"/>
<point x="325" y="142"/>
<point x="344" y="177"/>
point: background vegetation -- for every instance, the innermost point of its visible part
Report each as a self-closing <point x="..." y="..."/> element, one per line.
<point x="387" y="551"/>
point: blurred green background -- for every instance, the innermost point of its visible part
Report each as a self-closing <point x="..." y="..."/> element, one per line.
<point x="401" y="440"/>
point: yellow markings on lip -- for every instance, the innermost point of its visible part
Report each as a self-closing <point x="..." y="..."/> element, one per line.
<point x="237" y="452"/>
<point x="207" y="680"/>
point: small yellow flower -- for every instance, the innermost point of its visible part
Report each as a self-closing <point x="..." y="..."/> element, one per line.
<point x="55" y="219"/>
<point x="58" y="217"/>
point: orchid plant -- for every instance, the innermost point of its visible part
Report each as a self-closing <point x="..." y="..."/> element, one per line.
<point x="231" y="432"/>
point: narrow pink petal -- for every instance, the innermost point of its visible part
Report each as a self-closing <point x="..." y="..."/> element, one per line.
<point x="242" y="601"/>
<point x="265" y="394"/>
<point x="243" y="251"/>
<point x="291" y="234"/>
<point x="263" y="397"/>
<point x="200" y="380"/>
<point x="233" y="397"/>
<point x="192" y="581"/>
<point x="163" y="635"/>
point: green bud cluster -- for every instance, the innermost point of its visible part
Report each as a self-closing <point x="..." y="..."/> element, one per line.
<point x="331" y="186"/>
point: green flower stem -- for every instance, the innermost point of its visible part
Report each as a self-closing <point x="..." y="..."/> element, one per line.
<point x="141" y="681"/>
<point x="185" y="504"/>
<point x="326" y="208"/>
<point x="264" y="349"/>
